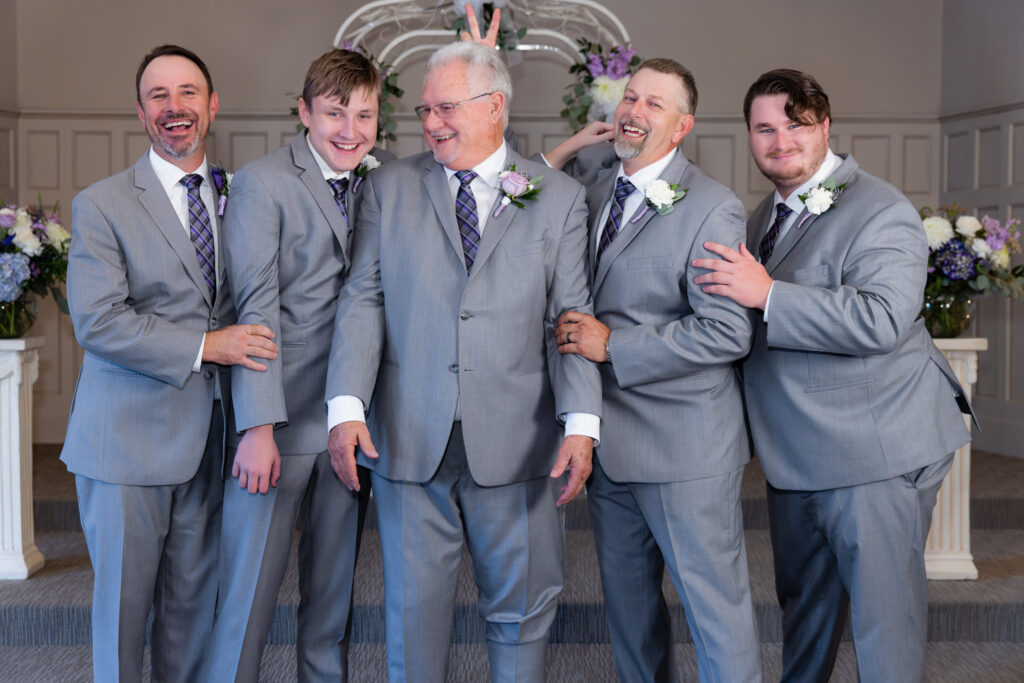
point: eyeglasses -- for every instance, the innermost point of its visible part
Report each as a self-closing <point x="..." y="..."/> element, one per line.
<point x="445" y="110"/>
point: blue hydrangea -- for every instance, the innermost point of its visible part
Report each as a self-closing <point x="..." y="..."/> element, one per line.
<point x="955" y="261"/>
<point x="14" y="272"/>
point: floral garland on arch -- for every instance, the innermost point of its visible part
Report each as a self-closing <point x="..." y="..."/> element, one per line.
<point x="600" y="81"/>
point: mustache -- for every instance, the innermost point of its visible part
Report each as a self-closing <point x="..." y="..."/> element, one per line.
<point x="634" y="124"/>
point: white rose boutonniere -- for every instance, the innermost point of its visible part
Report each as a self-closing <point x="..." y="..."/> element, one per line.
<point x="368" y="163"/>
<point x="661" y="197"/>
<point x="823" y="197"/>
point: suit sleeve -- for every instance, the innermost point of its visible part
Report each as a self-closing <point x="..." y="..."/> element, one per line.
<point x="717" y="332"/>
<point x="359" y="326"/>
<point x="575" y="380"/>
<point x="252" y="245"/>
<point x="100" y="301"/>
<point x="881" y="284"/>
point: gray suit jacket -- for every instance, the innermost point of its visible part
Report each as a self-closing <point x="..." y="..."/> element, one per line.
<point x="140" y="307"/>
<point x="287" y="254"/>
<point x="413" y="332"/>
<point x="673" y="409"/>
<point x="843" y="384"/>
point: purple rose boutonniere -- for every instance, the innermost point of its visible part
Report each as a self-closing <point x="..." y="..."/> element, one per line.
<point x="368" y="163"/>
<point x="222" y="184"/>
<point x="516" y="187"/>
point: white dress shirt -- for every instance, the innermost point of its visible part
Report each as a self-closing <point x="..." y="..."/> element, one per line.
<point x="793" y="201"/>
<point x="170" y="177"/>
<point x="485" y="191"/>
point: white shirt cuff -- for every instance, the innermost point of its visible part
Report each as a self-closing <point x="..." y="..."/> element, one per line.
<point x="583" y="424"/>
<point x="344" y="409"/>
<point x="768" y="301"/>
<point x="545" y="160"/>
<point x="198" y="364"/>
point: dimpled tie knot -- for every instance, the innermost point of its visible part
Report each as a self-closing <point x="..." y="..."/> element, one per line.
<point x="340" y="187"/>
<point x="200" y="231"/>
<point x="465" y="214"/>
<point x="623" y="188"/>
<point x="768" y="243"/>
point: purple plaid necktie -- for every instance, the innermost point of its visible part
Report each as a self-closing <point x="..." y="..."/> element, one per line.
<point x="623" y="188"/>
<point x="465" y="214"/>
<point x="340" y="187"/>
<point x="200" y="230"/>
<point x="768" y="243"/>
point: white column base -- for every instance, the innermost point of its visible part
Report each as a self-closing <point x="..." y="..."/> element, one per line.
<point x="948" y="567"/>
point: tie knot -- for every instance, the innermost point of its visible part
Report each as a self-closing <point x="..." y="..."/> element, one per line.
<point x="192" y="181"/>
<point x="339" y="185"/>
<point x="782" y="211"/>
<point x="465" y="177"/>
<point x="623" y="188"/>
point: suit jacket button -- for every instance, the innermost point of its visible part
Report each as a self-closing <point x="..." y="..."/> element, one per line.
<point x="454" y="367"/>
<point x="207" y="374"/>
<point x="465" y="316"/>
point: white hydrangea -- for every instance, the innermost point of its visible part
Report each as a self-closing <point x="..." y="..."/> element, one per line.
<point x="968" y="226"/>
<point x="56" y="234"/>
<point x="26" y="240"/>
<point x="659" y="193"/>
<point x="1000" y="258"/>
<point x="981" y="248"/>
<point x="607" y="93"/>
<point x="938" y="231"/>
<point x="24" y="221"/>
<point x="818" y="200"/>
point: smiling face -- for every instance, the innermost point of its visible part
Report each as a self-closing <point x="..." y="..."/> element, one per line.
<point x="176" y="108"/>
<point x="787" y="152"/>
<point x="649" y="121"/>
<point x="474" y="131"/>
<point x="342" y="134"/>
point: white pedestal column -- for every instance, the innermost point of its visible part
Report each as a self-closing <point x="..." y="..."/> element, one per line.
<point x="19" y="369"/>
<point x="947" y="554"/>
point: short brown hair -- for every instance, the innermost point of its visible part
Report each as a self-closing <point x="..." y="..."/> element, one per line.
<point x="806" y="102"/>
<point x="171" y="51"/>
<point x="338" y="73"/>
<point x="664" y="65"/>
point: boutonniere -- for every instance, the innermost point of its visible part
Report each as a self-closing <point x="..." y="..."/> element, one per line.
<point x="661" y="197"/>
<point x="222" y="184"/>
<point x="368" y="163"/>
<point x="822" y="198"/>
<point x="516" y="187"/>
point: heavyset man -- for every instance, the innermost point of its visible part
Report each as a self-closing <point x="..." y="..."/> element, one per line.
<point x="853" y="410"/>
<point x="151" y="307"/>
<point x="445" y="331"/>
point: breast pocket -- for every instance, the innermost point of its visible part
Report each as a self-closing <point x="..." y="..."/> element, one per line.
<point x="526" y="248"/>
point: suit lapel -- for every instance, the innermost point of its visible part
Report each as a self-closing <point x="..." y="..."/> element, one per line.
<point x="598" y="195"/>
<point x="629" y="229"/>
<point x="154" y="199"/>
<point x="435" y="181"/>
<point x="496" y="227"/>
<point x="313" y="178"/>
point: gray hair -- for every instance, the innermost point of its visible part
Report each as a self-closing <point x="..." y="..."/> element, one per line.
<point x="489" y="72"/>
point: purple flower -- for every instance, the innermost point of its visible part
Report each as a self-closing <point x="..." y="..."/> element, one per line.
<point x="618" y="61"/>
<point x="350" y="46"/>
<point x="995" y="234"/>
<point x="595" y="66"/>
<point x="7" y="220"/>
<point x="956" y="261"/>
<point x="513" y="183"/>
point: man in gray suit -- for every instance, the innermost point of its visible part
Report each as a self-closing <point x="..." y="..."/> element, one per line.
<point x="446" y="323"/>
<point x="666" y="482"/>
<point x="151" y="307"/>
<point x="853" y="411"/>
<point x="287" y="237"/>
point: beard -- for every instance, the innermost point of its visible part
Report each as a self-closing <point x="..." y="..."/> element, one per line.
<point x="177" y="149"/>
<point x="626" y="147"/>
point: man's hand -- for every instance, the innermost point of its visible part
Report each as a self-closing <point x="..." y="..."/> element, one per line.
<point x="234" y="344"/>
<point x="592" y="133"/>
<point x="582" y="334"/>
<point x="491" y="39"/>
<point x="576" y="454"/>
<point x="341" y="444"/>
<point x="739" y="276"/>
<point x="257" y="462"/>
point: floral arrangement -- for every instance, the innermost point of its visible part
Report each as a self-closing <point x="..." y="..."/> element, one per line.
<point x="508" y="35"/>
<point x="968" y="257"/>
<point x="600" y="81"/>
<point x="33" y="258"/>
<point x="389" y="91"/>
<point x="516" y="187"/>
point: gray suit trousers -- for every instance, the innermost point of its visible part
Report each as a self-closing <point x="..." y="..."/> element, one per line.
<point x="255" y="545"/>
<point x="695" y="529"/>
<point x="154" y="547"/>
<point x="515" y="538"/>
<point x="863" y="545"/>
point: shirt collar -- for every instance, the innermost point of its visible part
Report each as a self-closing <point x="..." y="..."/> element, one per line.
<point x="488" y="169"/>
<point x="170" y="175"/>
<point x="827" y="168"/>
<point x="328" y="172"/>
<point x="649" y="172"/>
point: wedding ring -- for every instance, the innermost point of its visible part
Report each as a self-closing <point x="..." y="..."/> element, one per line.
<point x="568" y="337"/>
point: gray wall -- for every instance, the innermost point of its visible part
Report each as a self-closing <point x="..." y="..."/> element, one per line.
<point x="982" y="55"/>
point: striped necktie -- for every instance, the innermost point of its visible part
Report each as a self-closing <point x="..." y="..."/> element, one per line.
<point x="465" y="214"/>
<point x="768" y="243"/>
<point x="623" y="188"/>
<point x="340" y="187"/>
<point x="200" y="231"/>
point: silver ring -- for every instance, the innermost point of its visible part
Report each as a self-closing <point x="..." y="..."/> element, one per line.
<point x="568" y="337"/>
